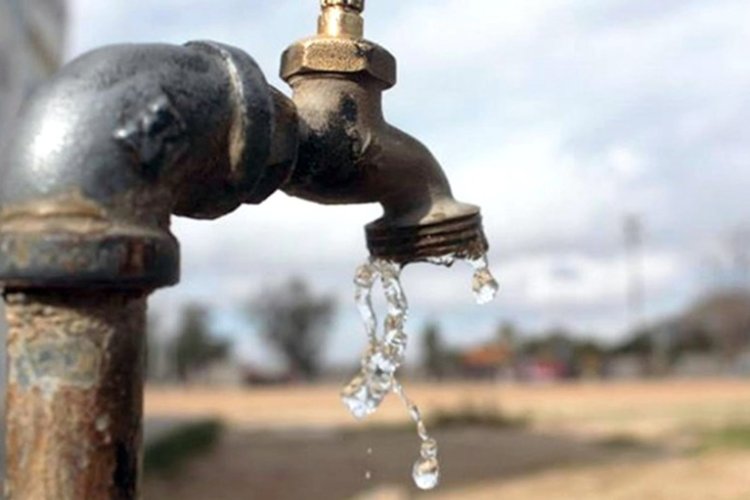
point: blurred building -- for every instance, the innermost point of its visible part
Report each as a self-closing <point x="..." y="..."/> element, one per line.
<point x="490" y="361"/>
<point x="32" y="34"/>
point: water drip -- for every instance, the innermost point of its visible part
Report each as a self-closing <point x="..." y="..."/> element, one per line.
<point x="385" y="355"/>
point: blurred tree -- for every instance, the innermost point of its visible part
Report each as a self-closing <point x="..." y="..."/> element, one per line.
<point x="589" y="358"/>
<point x="195" y="347"/>
<point x="507" y="335"/>
<point x="727" y="260"/>
<point x="577" y="354"/>
<point x="721" y="320"/>
<point x="436" y="358"/>
<point x="695" y="339"/>
<point x="640" y="343"/>
<point x="295" y="323"/>
<point x="557" y="344"/>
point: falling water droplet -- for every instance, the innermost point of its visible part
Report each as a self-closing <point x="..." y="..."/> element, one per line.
<point x="483" y="284"/>
<point x="368" y="475"/>
<point x="426" y="471"/>
<point x="384" y="355"/>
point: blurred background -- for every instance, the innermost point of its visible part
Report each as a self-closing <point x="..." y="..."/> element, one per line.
<point x="606" y="143"/>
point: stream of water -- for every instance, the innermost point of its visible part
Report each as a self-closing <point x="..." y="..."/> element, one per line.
<point x="385" y="353"/>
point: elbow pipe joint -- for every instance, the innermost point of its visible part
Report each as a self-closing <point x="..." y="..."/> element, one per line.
<point x="122" y="138"/>
<point x="348" y="153"/>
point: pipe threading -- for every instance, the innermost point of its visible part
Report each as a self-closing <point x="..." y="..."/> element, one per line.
<point x="462" y="238"/>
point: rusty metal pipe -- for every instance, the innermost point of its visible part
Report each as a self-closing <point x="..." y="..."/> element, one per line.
<point x="105" y="153"/>
<point x="350" y="154"/>
<point x="75" y="395"/>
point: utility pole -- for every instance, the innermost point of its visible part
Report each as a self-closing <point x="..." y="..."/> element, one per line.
<point x="661" y="339"/>
<point x="633" y="227"/>
<point x="738" y="249"/>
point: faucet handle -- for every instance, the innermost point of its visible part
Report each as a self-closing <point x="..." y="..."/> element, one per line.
<point x="355" y="5"/>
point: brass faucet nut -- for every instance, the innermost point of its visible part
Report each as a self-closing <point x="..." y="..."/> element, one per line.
<point x="339" y="55"/>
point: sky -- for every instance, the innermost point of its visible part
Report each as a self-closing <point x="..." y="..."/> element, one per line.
<point x="558" y="117"/>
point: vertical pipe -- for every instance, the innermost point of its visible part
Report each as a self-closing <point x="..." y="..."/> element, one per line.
<point x="75" y="394"/>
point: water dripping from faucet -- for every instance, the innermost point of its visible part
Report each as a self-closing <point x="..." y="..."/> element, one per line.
<point x="385" y="355"/>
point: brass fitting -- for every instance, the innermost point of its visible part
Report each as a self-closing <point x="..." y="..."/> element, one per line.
<point x="339" y="47"/>
<point x="341" y="18"/>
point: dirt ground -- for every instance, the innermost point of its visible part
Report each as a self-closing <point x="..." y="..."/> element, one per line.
<point x="644" y="408"/>
<point x="591" y="441"/>
<point x="333" y="465"/>
<point x="720" y="476"/>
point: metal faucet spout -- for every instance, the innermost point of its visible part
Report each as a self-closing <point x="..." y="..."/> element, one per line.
<point x="350" y="154"/>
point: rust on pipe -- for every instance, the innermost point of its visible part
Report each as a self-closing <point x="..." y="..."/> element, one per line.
<point x="75" y="394"/>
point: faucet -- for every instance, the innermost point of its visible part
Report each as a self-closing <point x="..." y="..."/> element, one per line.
<point x="128" y="135"/>
<point x="348" y="153"/>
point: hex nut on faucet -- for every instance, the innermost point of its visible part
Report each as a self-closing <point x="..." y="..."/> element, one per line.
<point x="339" y="55"/>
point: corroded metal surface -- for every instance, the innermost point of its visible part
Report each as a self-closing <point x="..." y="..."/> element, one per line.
<point x="459" y="237"/>
<point x="75" y="395"/>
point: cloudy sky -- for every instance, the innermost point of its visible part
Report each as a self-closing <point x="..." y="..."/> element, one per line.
<point x="558" y="117"/>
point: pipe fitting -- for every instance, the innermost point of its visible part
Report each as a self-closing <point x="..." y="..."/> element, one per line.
<point x="339" y="55"/>
<point x="122" y="138"/>
<point x="339" y="47"/>
<point x="349" y="154"/>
